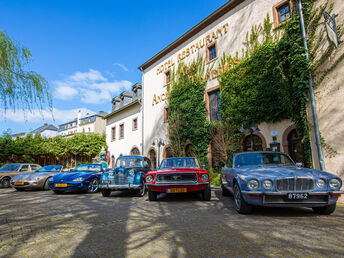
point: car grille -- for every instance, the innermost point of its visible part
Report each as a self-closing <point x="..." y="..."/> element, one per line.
<point x="120" y="180"/>
<point x="177" y="178"/>
<point x="295" y="184"/>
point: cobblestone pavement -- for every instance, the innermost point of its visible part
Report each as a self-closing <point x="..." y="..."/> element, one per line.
<point x="43" y="224"/>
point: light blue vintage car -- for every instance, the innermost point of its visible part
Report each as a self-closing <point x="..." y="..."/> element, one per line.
<point x="272" y="179"/>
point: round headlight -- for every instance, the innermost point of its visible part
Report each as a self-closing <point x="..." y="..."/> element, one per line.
<point x="267" y="184"/>
<point x="204" y="177"/>
<point x="321" y="183"/>
<point x="149" y="178"/>
<point x="253" y="184"/>
<point x="131" y="172"/>
<point x="335" y="183"/>
<point x="79" y="179"/>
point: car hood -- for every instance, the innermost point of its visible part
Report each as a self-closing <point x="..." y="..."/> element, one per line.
<point x="180" y="170"/>
<point x="72" y="176"/>
<point x="29" y="176"/>
<point x="282" y="171"/>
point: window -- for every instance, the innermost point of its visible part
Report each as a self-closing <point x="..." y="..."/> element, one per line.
<point x="281" y="12"/>
<point x="214" y="105"/>
<point x="113" y="133"/>
<point x="166" y="115"/>
<point x="121" y="131"/>
<point x="135" y="124"/>
<point x="25" y="168"/>
<point x="167" y="77"/>
<point x="255" y="142"/>
<point x="211" y="52"/>
<point x="34" y="167"/>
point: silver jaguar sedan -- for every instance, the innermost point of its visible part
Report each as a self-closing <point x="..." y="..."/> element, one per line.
<point x="36" y="180"/>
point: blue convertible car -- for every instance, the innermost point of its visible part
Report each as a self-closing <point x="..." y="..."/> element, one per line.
<point x="271" y="179"/>
<point x="82" y="178"/>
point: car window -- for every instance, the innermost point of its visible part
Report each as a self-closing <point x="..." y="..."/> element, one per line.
<point x="25" y="168"/>
<point x="129" y="162"/>
<point x="10" y="167"/>
<point x="88" y="167"/>
<point x="34" y="167"/>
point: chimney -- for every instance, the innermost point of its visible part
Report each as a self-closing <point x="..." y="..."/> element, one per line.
<point x="78" y="118"/>
<point x="45" y="124"/>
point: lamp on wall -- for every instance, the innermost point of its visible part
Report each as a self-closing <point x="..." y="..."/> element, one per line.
<point x="158" y="142"/>
<point x="251" y="130"/>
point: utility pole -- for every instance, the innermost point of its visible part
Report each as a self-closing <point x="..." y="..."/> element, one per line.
<point x="311" y="92"/>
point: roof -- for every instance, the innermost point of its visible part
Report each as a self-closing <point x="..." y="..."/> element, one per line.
<point x="192" y="32"/>
<point x="45" y="127"/>
<point x="122" y="108"/>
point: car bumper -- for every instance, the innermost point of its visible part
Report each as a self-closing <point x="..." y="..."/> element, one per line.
<point x="315" y="199"/>
<point x="163" y="188"/>
<point x="114" y="187"/>
<point x="71" y="186"/>
<point x="29" y="184"/>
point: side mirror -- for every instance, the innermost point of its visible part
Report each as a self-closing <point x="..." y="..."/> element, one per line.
<point x="65" y="170"/>
<point x="300" y="164"/>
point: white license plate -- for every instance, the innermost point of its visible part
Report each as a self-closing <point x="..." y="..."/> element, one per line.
<point x="297" y="196"/>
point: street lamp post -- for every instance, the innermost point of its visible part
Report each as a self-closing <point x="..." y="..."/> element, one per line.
<point x="251" y="130"/>
<point x="158" y="142"/>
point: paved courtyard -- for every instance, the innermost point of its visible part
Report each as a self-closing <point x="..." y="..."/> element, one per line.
<point x="43" y="224"/>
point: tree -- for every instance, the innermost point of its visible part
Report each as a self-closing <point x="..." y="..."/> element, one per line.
<point x="19" y="87"/>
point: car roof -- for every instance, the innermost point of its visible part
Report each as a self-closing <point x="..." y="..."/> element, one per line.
<point x="131" y="156"/>
<point x="246" y="152"/>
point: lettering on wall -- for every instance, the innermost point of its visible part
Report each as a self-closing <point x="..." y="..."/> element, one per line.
<point x="159" y="98"/>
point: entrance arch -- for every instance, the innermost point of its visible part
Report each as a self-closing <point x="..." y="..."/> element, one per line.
<point x="295" y="147"/>
<point x="153" y="157"/>
<point x="257" y="143"/>
<point x="135" y="151"/>
<point x="188" y="150"/>
<point x="168" y="152"/>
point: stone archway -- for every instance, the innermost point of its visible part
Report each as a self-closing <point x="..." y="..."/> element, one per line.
<point x="135" y="151"/>
<point x="285" y="137"/>
<point x="188" y="150"/>
<point x="168" y="152"/>
<point x="153" y="157"/>
<point x="258" y="140"/>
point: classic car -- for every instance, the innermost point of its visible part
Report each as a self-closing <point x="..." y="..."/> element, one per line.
<point x="129" y="174"/>
<point x="37" y="179"/>
<point x="178" y="175"/>
<point x="10" y="170"/>
<point x="272" y="179"/>
<point x="82" y="178"/>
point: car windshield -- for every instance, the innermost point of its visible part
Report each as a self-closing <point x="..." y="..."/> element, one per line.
<point x="10" y="167"/>
<point x="129" y="162"/>
<point x="179" y="163"/>
<point x="88" y="167"/>
<point x="261" y="159"/>
<point x="50" y="168"/>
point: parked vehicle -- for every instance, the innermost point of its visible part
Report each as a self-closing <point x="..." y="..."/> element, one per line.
<point x="178" y="175"/>
<point x="10" y="170"/>
<point x="37" y="179"/>
<point x="82" y="178"/>
<point x="272" y="179"/>
<point x="129" y="174"/>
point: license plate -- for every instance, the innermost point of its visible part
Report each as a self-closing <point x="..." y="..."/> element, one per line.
<point x="19" y="183"/>
<point x="60" y="185"/>
<point x="176" y="190"/>
<point x="297" y="196"/>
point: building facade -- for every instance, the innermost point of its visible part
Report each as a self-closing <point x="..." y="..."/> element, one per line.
<point x="223" y="32"/>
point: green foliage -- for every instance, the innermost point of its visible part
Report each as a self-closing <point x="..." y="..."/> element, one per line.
<point x="187" y="110"/>
<point x="214" y="177"/>
<point x="19" y="87"/>
<point x="30" y="149"/>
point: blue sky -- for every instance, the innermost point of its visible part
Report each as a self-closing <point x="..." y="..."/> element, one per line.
<point x="89" y="51"/>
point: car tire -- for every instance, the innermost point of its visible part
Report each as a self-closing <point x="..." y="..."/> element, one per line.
<point x="241" y="205"/>
<point x="57" y="192"/>
<point x="106" y="192"/>
<point x="225" y="191"/>
<point x="5" y="182"/>
<point x="46" y="185"/>
<point x="19" y="189"/>
<point x="325" y="210"/>
<point x="152" y="196"/>
<point x="93" y="186"/>
<point x="206" y="193"/>
<point x="141" y="192"/>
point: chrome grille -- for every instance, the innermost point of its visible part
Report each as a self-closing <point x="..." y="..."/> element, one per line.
<point x="121" y="180"/>
<point x="177" y="178"/>
<point x="295" y="184"/>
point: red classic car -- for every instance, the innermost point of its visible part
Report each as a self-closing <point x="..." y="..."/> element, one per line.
<point x="178" y="175"/>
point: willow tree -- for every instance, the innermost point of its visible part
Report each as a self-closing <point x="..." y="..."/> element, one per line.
<point x="19" y="87"/>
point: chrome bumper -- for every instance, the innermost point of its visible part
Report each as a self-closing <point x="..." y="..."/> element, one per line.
<point x="119" y="187"/>
<point x="180" y="184"/>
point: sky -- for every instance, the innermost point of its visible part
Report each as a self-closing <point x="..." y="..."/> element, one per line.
<point x="89" y="51"/>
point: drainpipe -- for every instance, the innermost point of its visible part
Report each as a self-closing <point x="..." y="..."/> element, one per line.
<point x="311" y="92"/>
<point x="143" y="114"/>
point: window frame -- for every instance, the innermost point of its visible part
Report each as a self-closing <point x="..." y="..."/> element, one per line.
<point x="121" y="126"/>
<point x="218" y="114"/>
<point x="165" y="77"/>
<point x="113" y="133"/>
<point x="166" y="114"/>
<point x="135" y="121"/>
<point x="208" y="52"/>
<point x="276" y="14"/>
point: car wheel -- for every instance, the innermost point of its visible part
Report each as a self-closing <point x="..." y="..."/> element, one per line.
<point x="46" y="185"/>
<point x="57" y="192"/>
<point x="152" y="196"/>
<point x="5" y="182"/>
<point x="19" y="189"/>
<point x="206" y="193"/>
<point x="225" y="191"/>
<point x="106" y="192"/>
<point x="93" y="186"/>
<point x="325" y="210"/>
<point x="241" y="205"/>
<point x="141" y="192"/>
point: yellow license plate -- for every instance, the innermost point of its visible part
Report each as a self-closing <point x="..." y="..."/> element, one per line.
<point x="60" y="185"/>
<point x="19" y="183"/>
<point x="176" y="190"/>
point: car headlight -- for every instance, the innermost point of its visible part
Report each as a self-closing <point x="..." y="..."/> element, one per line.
<point x="204" y="177"/>
<point x="149" y="178"/>
<point x="335" y="184"/>
<point x="131" y="172"/>
<point x="79" y="179"/>
<point x="50" y="179"/>
<point x="253" y="184"/>
<point x="321" y="183"/>
<point x="267" y="184"/>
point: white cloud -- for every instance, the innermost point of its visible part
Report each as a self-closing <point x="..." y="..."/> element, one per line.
<point x="122" y="66"/>
<point x="90" y="87"/>
<point x="58" y="116"/>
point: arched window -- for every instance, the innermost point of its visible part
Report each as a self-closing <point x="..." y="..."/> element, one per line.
<point x="189" y="152"/>
<point x="295" y="147"/>
<point x="257" y="143"/>
<point x="168" y="153"/>
<point x="152" y="157"/>
<point x="134" y="151"/>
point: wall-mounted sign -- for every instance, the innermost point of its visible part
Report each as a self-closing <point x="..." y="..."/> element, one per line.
<point x="331" y="28"/>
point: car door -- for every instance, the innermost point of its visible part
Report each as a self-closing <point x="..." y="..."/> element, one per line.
<point x="226" y="175"/>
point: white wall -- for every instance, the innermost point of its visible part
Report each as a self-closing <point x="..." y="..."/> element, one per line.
<point x="49" y="133"/>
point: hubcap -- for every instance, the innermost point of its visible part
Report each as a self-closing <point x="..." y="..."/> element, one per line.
<point x="93" y="186"/>
<point x="6" y="183"/>
<point x="237" y="197"/>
